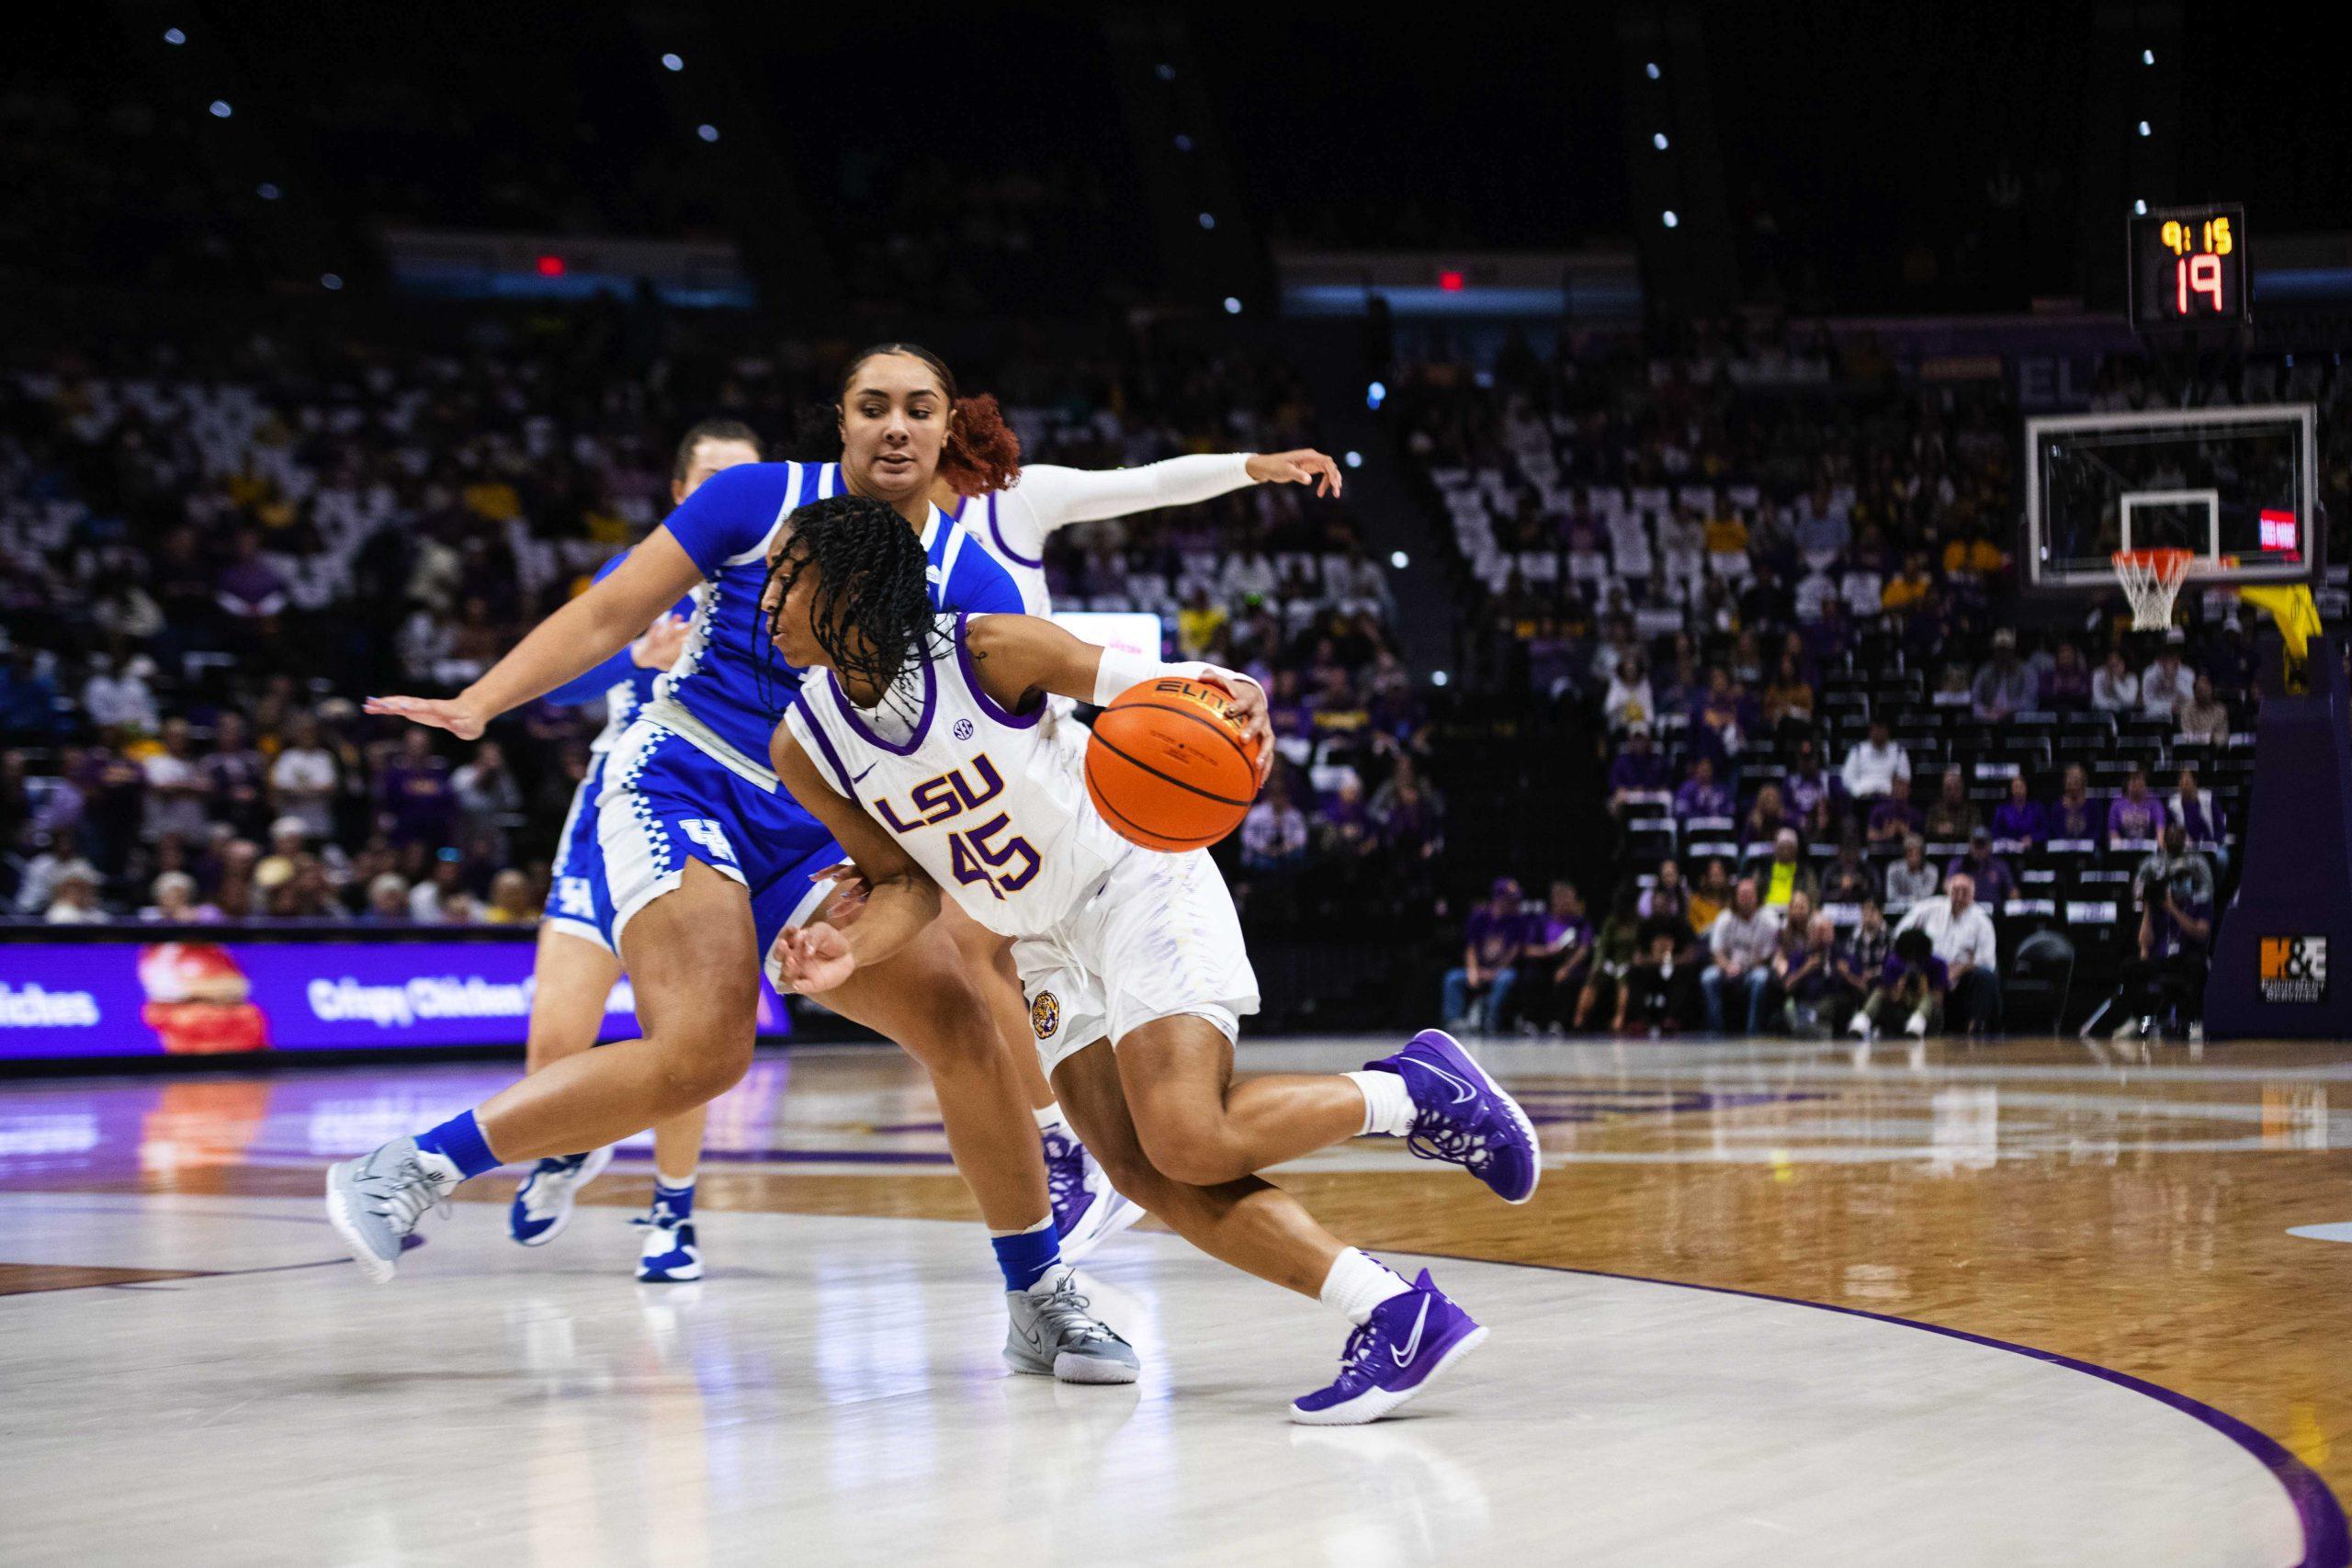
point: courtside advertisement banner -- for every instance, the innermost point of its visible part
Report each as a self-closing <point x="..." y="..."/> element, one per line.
<point x="206" y="999"/>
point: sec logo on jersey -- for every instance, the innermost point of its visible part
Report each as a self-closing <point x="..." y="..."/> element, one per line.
<point x="1045" y="1015"/>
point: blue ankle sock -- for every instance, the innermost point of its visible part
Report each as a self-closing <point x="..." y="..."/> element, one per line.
<point x="460" y="1142"/>
<point x="678" y="1200"/>
<point x="1025" y="1256"/>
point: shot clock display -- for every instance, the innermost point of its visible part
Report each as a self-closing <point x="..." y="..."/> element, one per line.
<point x="2188" y="268"/>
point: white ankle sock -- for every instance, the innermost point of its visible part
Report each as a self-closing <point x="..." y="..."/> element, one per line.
<point x="440" y="1168"/>
<point x="672" y="1182"/>
<point x="1357" y="1284"/>
<point x="1051" y="1279"/>
<point x="1387" y="1104"/>
<point x="1049" y="1118"/>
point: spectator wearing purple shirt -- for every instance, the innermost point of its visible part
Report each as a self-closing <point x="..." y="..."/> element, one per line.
<point x="1720" y="720"/>
<point x="1911" y="988"/>
<point x="2074" y="820"/>
<point x="2067" y="685"/>
<point x="1638" y="768"/>
<point x="1800" y="969"/>
<point x="247" y="588"/>
<point x="415" y="801"/>
<point x="1700" y="796"/>
<point x="2019" y="819"/>
<point x="1492" y="941"/>
<point x="2136" y="814"/>
<point x="1288" y="712"/>
<point x="1806" y="788"/>
<point x="1558" y="955"/>
<point x="1996" y="884"/>
<point x="1893" y="819"/>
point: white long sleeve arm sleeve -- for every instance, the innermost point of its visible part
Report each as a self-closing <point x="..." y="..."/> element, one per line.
<point x="1057" y="496"/>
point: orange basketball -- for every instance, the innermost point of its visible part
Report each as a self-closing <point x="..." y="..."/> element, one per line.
<point x="1167" y="767"/>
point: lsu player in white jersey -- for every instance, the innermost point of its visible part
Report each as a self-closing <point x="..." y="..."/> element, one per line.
<point x="1013" y="510"/>
<point x="915" y="737"/>
<point x="577" y="964"/>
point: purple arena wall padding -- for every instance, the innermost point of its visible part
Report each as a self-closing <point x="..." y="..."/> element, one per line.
<point x="2292" y="915"/>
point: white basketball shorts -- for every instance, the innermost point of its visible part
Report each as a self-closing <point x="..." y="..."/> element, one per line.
<point x="1160" y="938"/>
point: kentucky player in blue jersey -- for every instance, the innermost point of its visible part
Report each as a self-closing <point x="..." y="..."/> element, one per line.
<point x="576" y="966"/>
<point x="708" y="859"/>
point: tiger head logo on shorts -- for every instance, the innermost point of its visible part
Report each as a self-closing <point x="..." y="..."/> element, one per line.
<point x="1045" y="1015"/>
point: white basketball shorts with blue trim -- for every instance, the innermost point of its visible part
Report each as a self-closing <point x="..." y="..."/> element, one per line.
<point x="666" y="801"/>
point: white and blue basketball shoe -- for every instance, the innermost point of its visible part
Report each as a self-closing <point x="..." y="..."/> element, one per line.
<point x="670" y="1256"/>
<point x="1409" y="1339"/>
<point x="1086" y="1213"/>
<point x="543" y="1204"/>
<point x="1464" y="1117"/>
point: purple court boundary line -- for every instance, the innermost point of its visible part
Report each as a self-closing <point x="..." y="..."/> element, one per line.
<point x="2327" y="1538"/>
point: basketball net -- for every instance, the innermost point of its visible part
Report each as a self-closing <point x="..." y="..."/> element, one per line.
<point x="2152" y="581"/>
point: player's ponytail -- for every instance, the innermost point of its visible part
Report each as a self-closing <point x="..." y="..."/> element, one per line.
<point x="983" y="454"/>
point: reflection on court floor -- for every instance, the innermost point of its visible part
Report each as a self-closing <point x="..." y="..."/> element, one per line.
<point x="839" y="1389"/>
<point x="175" y="1304"/>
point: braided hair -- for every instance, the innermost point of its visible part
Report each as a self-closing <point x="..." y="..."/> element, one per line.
<point x="872" y="613"/>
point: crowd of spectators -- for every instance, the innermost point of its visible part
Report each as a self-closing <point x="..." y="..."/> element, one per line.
<point x="1768" y="581"/>
<point x="201" y="573"/>
<point x="1767" y="953"/>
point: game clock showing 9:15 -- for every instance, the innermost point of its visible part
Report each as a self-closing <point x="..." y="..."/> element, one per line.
<point x="2188" y="268"/>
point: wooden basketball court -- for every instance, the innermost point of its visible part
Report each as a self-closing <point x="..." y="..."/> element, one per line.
<point x="1776" y="1302"/>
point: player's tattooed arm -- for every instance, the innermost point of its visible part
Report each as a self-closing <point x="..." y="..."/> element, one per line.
<point x="901" y="897"/>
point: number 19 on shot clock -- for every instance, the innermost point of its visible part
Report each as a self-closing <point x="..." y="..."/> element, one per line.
<point x="2188" y="268"/>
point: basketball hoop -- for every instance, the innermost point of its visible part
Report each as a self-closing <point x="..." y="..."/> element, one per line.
<point x="2152" y="581"/>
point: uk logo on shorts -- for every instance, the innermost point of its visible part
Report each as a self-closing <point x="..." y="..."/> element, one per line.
<point x="1045" y="1015"/>
<point x="574" y="897"/>
<point x="710" y="836"/>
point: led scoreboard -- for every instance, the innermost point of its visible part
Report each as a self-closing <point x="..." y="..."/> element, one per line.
<point x="2188" y="268"/>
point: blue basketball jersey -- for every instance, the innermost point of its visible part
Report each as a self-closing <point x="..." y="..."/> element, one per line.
<point x="624" y="685"/>
<point x="729" y="689"/>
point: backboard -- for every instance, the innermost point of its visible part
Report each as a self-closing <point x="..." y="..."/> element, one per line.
<point x="2236" y="486"/>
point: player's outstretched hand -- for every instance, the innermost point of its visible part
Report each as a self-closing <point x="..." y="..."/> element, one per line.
<point x="440" y="713"/>
<point x="850" y="891"/>
<point x="663" y="642"/>
<point x="1305" y="466"/>
<point x="813" y="959"/>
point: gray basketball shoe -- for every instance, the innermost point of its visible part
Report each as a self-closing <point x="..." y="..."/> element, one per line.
<point x="376" y="1202"/>
<point x="1054" y="1336"/>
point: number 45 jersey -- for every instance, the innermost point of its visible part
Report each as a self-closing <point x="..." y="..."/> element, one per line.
<point x="987" y="802"/>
